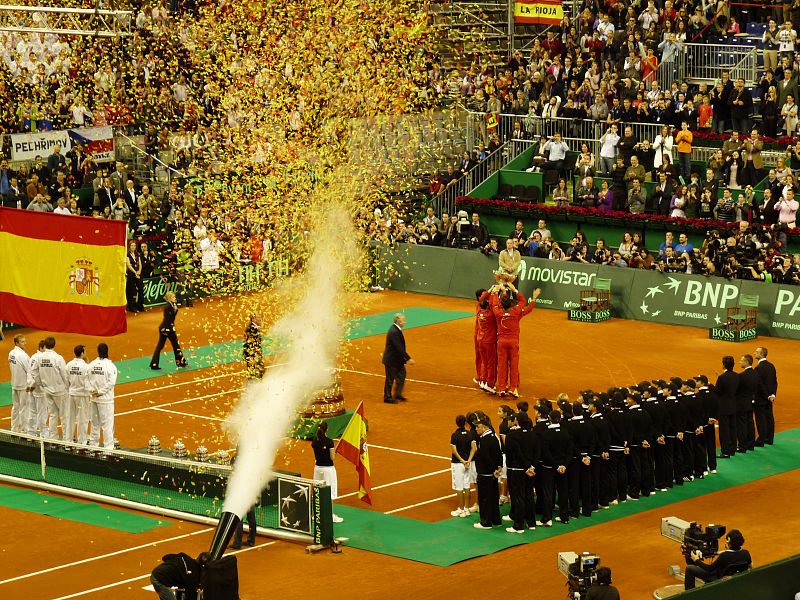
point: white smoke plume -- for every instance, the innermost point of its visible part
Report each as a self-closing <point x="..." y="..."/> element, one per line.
<point x="313" y="329"/>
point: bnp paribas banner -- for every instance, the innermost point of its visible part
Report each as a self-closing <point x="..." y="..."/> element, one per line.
<point x="674" y="299"/>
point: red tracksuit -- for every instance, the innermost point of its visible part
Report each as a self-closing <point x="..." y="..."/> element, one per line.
<point x="485" y="343"/>
<point x="508" y="341"/>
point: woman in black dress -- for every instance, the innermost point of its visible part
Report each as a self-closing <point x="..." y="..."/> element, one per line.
<point x="166" y="331"/>
<point x="134" y="285"/>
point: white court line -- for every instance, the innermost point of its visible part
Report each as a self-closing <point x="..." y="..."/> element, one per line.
<point x="118" y="583"/>
<point x="450" y="385"/>
<point x="102" y="556"/>
<point x="171" y="385"/>
<point x="397" y="510"/>
<point x="214" y="395"/>
<point x="410" y="452"/>
<point x="385" y="485"/>
<point x="185" y="414"/>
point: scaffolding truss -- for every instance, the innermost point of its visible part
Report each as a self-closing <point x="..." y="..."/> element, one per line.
<point x="95" y="22"/>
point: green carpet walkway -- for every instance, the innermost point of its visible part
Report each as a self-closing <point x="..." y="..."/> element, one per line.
<point x="80" y="512"/>
<point x="202" y="357"/>
<point x="453" y="540"/>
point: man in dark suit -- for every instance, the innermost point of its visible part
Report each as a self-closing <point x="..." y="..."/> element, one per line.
<point x="765" y="397"/>
<point x="725" y="389"/>
<point x="15" y="198"/>
<point x="395" y="358"/>
<point x="489" y="465"/>
<point x="745" y="397"/>
<point x="662" y="196"/>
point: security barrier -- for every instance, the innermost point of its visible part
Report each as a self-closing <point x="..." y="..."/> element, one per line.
<point x="670" y="298"/>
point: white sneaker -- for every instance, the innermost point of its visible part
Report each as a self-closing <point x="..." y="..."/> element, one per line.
<point x="473" y="509"/>
<point x="548" y="524"/>
<point x="456" y="513"/>
<point x="481" y="384"/>
<point x="714" y="471"/>
<point x="337" y="519"/>
<point x="540" y="524"/>
<point x="491" y="390"/>
<point x="464" y="513"/>
<point x="512" y="530"/>
<point x="503" y="500"/>
<point x="479" y="526"/>
<point x="506" y="518"/>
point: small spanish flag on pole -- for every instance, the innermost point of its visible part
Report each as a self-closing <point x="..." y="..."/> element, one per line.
<point x="353" y="446"/>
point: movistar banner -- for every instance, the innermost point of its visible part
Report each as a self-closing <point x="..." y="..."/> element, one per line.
<point x="674" y="299"/>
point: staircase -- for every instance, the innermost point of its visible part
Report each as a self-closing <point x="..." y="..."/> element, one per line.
<point x="468" y="28"/>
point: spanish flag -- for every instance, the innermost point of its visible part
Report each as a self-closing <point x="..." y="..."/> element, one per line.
<point x="353" y="446"/>
<point x="62" y="272"/>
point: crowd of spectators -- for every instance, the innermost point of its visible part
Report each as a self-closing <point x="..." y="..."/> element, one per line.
<point x="609" y="67"/>
<point x="751" y="251"/>
<point x="244" y="109"/>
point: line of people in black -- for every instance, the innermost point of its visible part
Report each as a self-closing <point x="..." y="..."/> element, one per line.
<point x="618" y="446"/>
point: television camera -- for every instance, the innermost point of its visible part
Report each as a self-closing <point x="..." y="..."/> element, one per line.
<point x="463" y="231"/>
<point x="692" y="536"/>
<point x="580" y="571"/>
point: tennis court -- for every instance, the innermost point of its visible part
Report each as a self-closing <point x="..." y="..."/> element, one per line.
<point x="399" y="544"/>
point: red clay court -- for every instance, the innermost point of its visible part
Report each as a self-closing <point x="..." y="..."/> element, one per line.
<point x="57" y="558"/>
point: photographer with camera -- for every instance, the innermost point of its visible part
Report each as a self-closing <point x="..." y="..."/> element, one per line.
<point x="731" y="560"/>
<point x="602" y="589"/>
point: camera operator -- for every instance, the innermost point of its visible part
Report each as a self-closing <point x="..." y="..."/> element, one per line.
<point x="602" y="589"/>
<point x="733" y="555"/>
<point x="670" y="262"/>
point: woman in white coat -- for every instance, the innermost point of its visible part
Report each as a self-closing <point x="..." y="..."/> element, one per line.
<point x="662" y="146"/>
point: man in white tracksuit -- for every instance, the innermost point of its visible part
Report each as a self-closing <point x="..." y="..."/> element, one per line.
<point x="49" y="373"/>
<point x="102" y="378"/>
<point x="20" y="363"/>
<point x="38" y="411"/>
<point x="78" y="409"/>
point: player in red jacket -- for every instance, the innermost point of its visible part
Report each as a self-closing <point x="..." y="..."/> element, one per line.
<point x="508" y="316"/>
<point x="485" y="343"/>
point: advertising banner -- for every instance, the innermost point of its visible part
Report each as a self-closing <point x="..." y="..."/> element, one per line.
<point x="538" y="12"/>
<point x="669" y="298"/>
<point x="97" y="141"/>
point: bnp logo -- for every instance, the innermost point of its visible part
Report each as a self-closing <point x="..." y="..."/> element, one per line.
<point x="688" y="299"/>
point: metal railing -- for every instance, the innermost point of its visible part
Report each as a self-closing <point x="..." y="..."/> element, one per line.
<point x="708" y="61"/>
<point x="446" y="201"/>
<point x="574" y="131"/>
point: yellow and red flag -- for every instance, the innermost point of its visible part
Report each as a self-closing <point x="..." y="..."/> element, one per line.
<point x="538" y="12"/>
<point x="62" y="272"/>
<point x="353" y="446"/>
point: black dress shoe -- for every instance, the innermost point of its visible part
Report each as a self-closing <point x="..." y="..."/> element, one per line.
<point x="251" y="543"/>
<point x="182" y="365"/>
<point x="155" y="367"/>
<point x="401" y="398"/>
<point x="724" y="456"/>
<point x="390" y="401"/>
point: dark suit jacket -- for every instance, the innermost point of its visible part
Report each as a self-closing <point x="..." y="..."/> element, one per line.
<point x="168" y="322"/>
<point x="767" y="381"/>
<point x="660" y="201"/>
<point x="10" y="200"/>
<point x="745" y="395"/>
<point x="395" y="355"/>
<point x="488" y="456"/>
<point x="725" y="390"/>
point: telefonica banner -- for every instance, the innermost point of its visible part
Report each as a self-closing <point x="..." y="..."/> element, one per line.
<point x="670" y="298"/>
